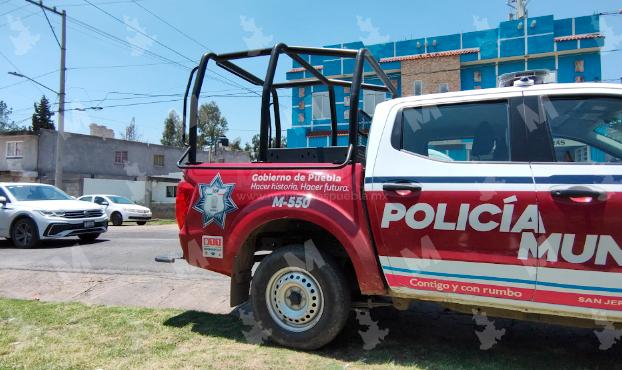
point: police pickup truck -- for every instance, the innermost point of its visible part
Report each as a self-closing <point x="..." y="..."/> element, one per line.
<point x="507" y="200"/>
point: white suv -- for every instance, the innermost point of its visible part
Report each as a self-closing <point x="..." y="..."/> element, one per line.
<point x="30" y="213"/>
<point x="120" y="209"/>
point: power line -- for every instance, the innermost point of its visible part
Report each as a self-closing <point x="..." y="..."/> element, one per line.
<point x="170" y="25"/>
<point x="22" y="18"/>
<point x="14" y="10"/>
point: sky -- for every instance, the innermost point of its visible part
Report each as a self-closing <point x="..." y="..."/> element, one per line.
<point x="131" y="76"/>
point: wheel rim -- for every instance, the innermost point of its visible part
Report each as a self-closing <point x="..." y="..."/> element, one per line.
<point x="294" y="299"/>
<point x="23" y="233"/>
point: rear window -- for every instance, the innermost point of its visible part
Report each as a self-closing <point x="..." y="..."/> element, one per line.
<point x="458" y="132"/>
<point x="585" y="129"/>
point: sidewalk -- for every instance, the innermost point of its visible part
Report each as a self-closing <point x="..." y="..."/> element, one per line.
<point x="134" y="290"/>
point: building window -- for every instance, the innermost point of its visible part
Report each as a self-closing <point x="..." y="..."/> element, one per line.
<point x="321" y="105"/>
<point x="301" y="92"/>
<point x="14" y="149"/>
<point x="418" y="88"/>
<point x="443" y="88"/>
<point x="579" y="66"/>
<point x="371" y="99"/>
<point x="301" y="104"/>
<point x="477" y="76"/>
<point x="158" y="160"/>
<point x="579" y="79"/>
<point x="120" y="157"/>
<point x="301" y="118"/>
<point x="346" y="101"/>
<point x="171" y="191"/>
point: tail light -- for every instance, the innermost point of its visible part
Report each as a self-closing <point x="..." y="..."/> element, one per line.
<point x="184" y="197"/>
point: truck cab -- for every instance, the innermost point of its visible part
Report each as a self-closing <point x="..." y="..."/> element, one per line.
<point x="502" y="199"/>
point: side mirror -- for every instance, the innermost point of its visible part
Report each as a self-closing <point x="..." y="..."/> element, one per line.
<point x="104" y="203"/>
<point x="3" y="201"/>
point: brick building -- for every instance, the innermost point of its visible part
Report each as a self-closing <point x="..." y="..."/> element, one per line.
<point x="464" y="61"/>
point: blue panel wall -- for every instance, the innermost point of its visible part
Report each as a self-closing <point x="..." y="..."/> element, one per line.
<point x="486" y="41"/>
<point x="409" y="47"/>
<point x="539" y="25"/>
<point x="567" y="45"/>
<point x="541" y="44"/>
<point x="444" y="43"/>
<point x="592" y="67"/>
<point x="488" y="74"/>
<point x="587" y="24"/>
<point x="511" y="29"/>
<point x="318" y="141"/>
<point x="296" y="137"/>
<point x="509" y="67"/>
<point x="512" y="47"/>
<point x="563" y="27"/>
<point x="542" y="63"/>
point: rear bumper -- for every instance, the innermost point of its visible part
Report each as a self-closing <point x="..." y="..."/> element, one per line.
<point x="62" y="230"/>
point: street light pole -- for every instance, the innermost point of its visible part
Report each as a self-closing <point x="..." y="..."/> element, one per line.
<point x="58" y="158"/>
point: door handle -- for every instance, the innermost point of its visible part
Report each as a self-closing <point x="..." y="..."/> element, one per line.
<point x="578" y="193"/>
<point x="407" y="186"/>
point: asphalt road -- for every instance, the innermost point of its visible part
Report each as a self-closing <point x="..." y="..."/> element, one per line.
<point x="123" y="249"/>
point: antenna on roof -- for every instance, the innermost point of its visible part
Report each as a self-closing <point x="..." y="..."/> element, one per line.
<point x="520" y="7"/>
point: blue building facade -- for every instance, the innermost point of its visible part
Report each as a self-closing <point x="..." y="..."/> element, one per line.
<point x="463" y="61"/>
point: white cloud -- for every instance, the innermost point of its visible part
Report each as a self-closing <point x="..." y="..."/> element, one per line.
<point x="139" y="41"/>
<point x="24" y="40"/>
<point x="373" y="33"/>
<point x="481" y="24"/>
<point x="613" y="40"/>
<point x="257" y="39"/>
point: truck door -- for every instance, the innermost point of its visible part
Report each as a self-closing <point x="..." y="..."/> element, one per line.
<point x="449" y="200"/>
<point x="579" y="191"/>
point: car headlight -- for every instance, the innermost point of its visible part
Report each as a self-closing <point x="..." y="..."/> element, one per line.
<point x="51" y="213"/>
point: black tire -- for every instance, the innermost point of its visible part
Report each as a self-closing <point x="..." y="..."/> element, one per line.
<point x="116" y="218"/>
<point x="141" y="223"/>
<point x="25" y="234"/>
<point x="290" y="267"/>
<point x="89" y="238"/>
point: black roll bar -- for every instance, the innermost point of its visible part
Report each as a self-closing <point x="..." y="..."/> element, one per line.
<point x="269" y="94"/>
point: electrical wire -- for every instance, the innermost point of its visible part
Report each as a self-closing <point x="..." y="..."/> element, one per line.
<point x="170" y="25"/>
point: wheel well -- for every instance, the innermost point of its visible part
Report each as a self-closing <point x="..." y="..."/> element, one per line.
<point x="20" y="217"/>
<point x="278" y="234"/>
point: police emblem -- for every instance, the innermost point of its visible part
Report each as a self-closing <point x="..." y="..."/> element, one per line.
<point x="215" y="201"/>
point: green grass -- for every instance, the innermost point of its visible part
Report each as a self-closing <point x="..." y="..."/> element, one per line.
<point x="162" y="221"/>
<point x="53" y="335"/>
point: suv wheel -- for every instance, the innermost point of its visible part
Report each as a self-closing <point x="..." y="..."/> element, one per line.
<point x="25" y="233"/>
<point x="116" y="219"/>
<point x="88" y="238"/>
<point x="301" y="299"/>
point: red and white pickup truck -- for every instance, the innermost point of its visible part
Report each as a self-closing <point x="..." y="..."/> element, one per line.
<point x="508" y="200"/>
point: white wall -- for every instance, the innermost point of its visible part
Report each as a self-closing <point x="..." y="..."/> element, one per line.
<point x="134" y="190"/>
<point x="158" y="192"/>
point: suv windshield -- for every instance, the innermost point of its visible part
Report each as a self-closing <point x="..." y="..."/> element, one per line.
<point x="26" y="193"/>
<point x="120" y="200"/>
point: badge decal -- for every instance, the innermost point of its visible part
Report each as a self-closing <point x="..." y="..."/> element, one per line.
<point x="215" y="201"/>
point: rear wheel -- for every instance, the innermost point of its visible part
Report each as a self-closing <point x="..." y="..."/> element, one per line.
<point x="25" y="233"/>
<point x="141" y="222"/>
<point x="89" y="238"/>
<point x="301" y="299"/>
<point x="116" y="219"/>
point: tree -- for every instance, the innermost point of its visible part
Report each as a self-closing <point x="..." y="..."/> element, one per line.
<point x="236" y="145"/>
<point x="131" y="132"/>
<point x="42" y="118"/>
<point x="212" y="125"/>
<point x="253" y="147"/>
<point x="172" y="134"/>
<point x="6" y="125"/>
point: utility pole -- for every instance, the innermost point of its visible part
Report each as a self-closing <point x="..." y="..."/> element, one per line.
<point x="58" y="158"/>
<point x="521" y="8"/>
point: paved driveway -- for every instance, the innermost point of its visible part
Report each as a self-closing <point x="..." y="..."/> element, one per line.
<point x="117" y="269"/>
